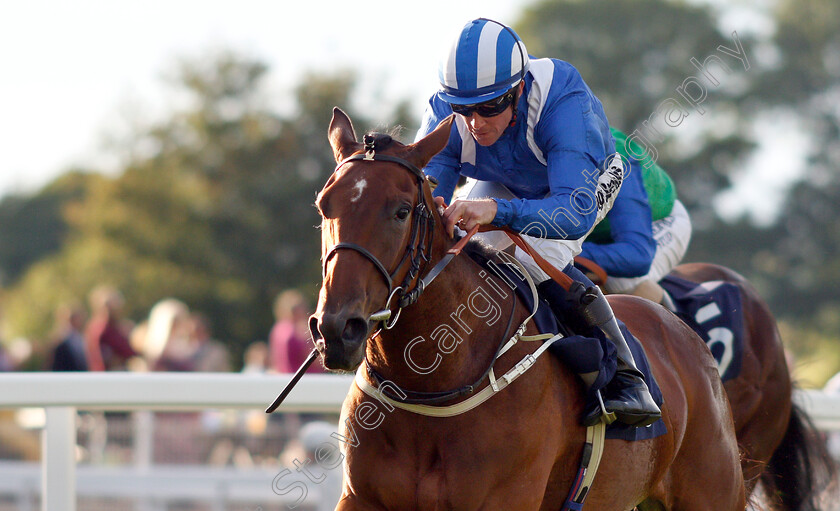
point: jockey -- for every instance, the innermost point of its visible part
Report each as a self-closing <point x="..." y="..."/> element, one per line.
<point x="536" y="140"/>
<point x="647" y="231"/>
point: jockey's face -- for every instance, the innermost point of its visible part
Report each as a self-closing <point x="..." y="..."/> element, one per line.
<point x="486" y="129"/>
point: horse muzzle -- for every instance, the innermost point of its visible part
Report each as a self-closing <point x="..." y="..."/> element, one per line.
<point x="341" y="339"/>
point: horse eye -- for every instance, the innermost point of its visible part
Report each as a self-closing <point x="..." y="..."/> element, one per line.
<point x="403" y="212"/>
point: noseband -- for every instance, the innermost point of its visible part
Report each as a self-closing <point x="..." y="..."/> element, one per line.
<point x="418" y="251"/>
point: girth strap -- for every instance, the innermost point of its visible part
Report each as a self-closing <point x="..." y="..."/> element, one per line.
<point x="593" y="448"/>
<point x="464" y="406"/>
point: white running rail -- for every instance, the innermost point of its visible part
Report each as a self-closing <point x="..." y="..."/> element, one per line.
<point x="62" y="394"/>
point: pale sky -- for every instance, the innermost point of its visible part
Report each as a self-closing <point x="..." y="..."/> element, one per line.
<point x="70" y="69"/>
<point x="73" y="71"/>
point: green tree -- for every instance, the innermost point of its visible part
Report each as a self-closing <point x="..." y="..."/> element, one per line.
<point x="806" y="81"/>
<point x="33" y="226"/>
<point x="219" y="213"/>
<point x="635" y="55"/>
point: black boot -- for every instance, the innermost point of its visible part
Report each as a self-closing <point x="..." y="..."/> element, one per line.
<point x="627" y="395"/>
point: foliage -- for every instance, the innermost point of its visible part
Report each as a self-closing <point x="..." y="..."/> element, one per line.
<point x="635" y="56"/>
<point x="219" y="215"/>
<point x="32" y="227"/>
<point x="213" y="205"/>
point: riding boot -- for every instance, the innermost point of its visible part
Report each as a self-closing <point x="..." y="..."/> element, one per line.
<point x="627" y="395"/>
<point x="583" y="357"/>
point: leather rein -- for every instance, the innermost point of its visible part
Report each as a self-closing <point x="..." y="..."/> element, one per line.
<point x="417" y="254"/>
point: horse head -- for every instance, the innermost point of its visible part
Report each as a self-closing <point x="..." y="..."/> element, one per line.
<point x="378" y="233"/>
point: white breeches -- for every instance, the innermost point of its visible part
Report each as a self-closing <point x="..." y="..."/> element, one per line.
<point x="557" y="252"/>
<point x="672" y="235"/>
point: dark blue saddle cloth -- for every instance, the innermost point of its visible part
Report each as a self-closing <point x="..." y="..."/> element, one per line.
<point x="713" y="310"/>
<point x="629" y="433"/>
<point x="588" y="353"/>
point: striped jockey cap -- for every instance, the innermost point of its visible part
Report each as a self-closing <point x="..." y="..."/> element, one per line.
<point x="486" y="61"/>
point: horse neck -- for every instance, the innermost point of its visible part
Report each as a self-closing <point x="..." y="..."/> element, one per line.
<point x="450" y="336"/>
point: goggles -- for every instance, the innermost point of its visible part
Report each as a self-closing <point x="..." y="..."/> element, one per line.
<point x="490" y="108"/>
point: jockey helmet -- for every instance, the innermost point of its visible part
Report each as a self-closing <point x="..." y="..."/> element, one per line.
<point x="486" y="61"/>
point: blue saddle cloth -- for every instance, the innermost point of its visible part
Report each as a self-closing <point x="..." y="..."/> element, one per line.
<point x="713" y="310"/>
<point x="629" y="433"/>
<point x="589" y="354"/>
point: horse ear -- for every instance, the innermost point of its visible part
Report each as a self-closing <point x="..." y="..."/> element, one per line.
<point x="423" y="150"/>
<point x="342" y="136"/>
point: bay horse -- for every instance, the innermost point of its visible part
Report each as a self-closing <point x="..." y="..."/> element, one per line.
<point x="779" y="445"/>
<point x="381" y="233"/>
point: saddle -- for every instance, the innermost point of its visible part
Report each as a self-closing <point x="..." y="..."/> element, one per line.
<point x="582" y="349"/>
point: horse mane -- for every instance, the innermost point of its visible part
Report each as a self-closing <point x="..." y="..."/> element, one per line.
<point x="480" y="252"/>
<point x="383" y="141"/>
<point x="475" y="249"/>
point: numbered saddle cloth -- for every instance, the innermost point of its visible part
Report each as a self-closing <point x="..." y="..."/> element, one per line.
<point x="713" y="310"/>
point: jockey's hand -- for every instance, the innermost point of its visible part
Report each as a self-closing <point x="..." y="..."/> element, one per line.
<point x="466" y="214"/>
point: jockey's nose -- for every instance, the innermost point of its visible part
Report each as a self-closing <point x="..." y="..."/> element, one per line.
<point x="476" y="121"/>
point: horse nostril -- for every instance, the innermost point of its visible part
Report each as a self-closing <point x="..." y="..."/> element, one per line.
<point x="313" y="328"/>
<point x="354" y="330"/>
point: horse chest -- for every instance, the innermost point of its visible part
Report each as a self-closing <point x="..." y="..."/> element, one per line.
<point x="403" y="468"/>
<point x="442" y="486"/>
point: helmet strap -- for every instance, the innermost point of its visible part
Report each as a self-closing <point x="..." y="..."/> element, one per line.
<point x="514" y="105"/>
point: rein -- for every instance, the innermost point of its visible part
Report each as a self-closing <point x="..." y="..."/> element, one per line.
<point x="429" y="398"/>
<point x="426" y="403"/>
<point x="418" y="251"/>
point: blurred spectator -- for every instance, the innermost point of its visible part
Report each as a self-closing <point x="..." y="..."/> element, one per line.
<point x="243" y="440"/>
<point x="5" y="360"/>
<point x="69" y="351"/>
<point x="289" y="338"/>
<point x="106" y="334"/>
<point x="167" y="345"/>
<point x="19" y="353"/>
<point x="5" y="363"/>
<point x="137" y="339"/>
<point x="255" y="359"/>
<point x="209" y="355"/>
<point x="323" y="449"/>
<point x="16" y="441"/>
<point x="318" y="453"/>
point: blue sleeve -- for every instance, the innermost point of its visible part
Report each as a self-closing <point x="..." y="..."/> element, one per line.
<point x="446" y="165"/>
<point x="574" y="137"/>
<point x="632" y="249"/>
<point x="568" y="212"/>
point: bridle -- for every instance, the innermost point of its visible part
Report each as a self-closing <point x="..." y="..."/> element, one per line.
<point x="418" y="251"/>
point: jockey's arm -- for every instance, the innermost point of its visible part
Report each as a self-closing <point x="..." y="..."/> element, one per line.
<point x="568" y="212"/>
<point x="632" y="247"/>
